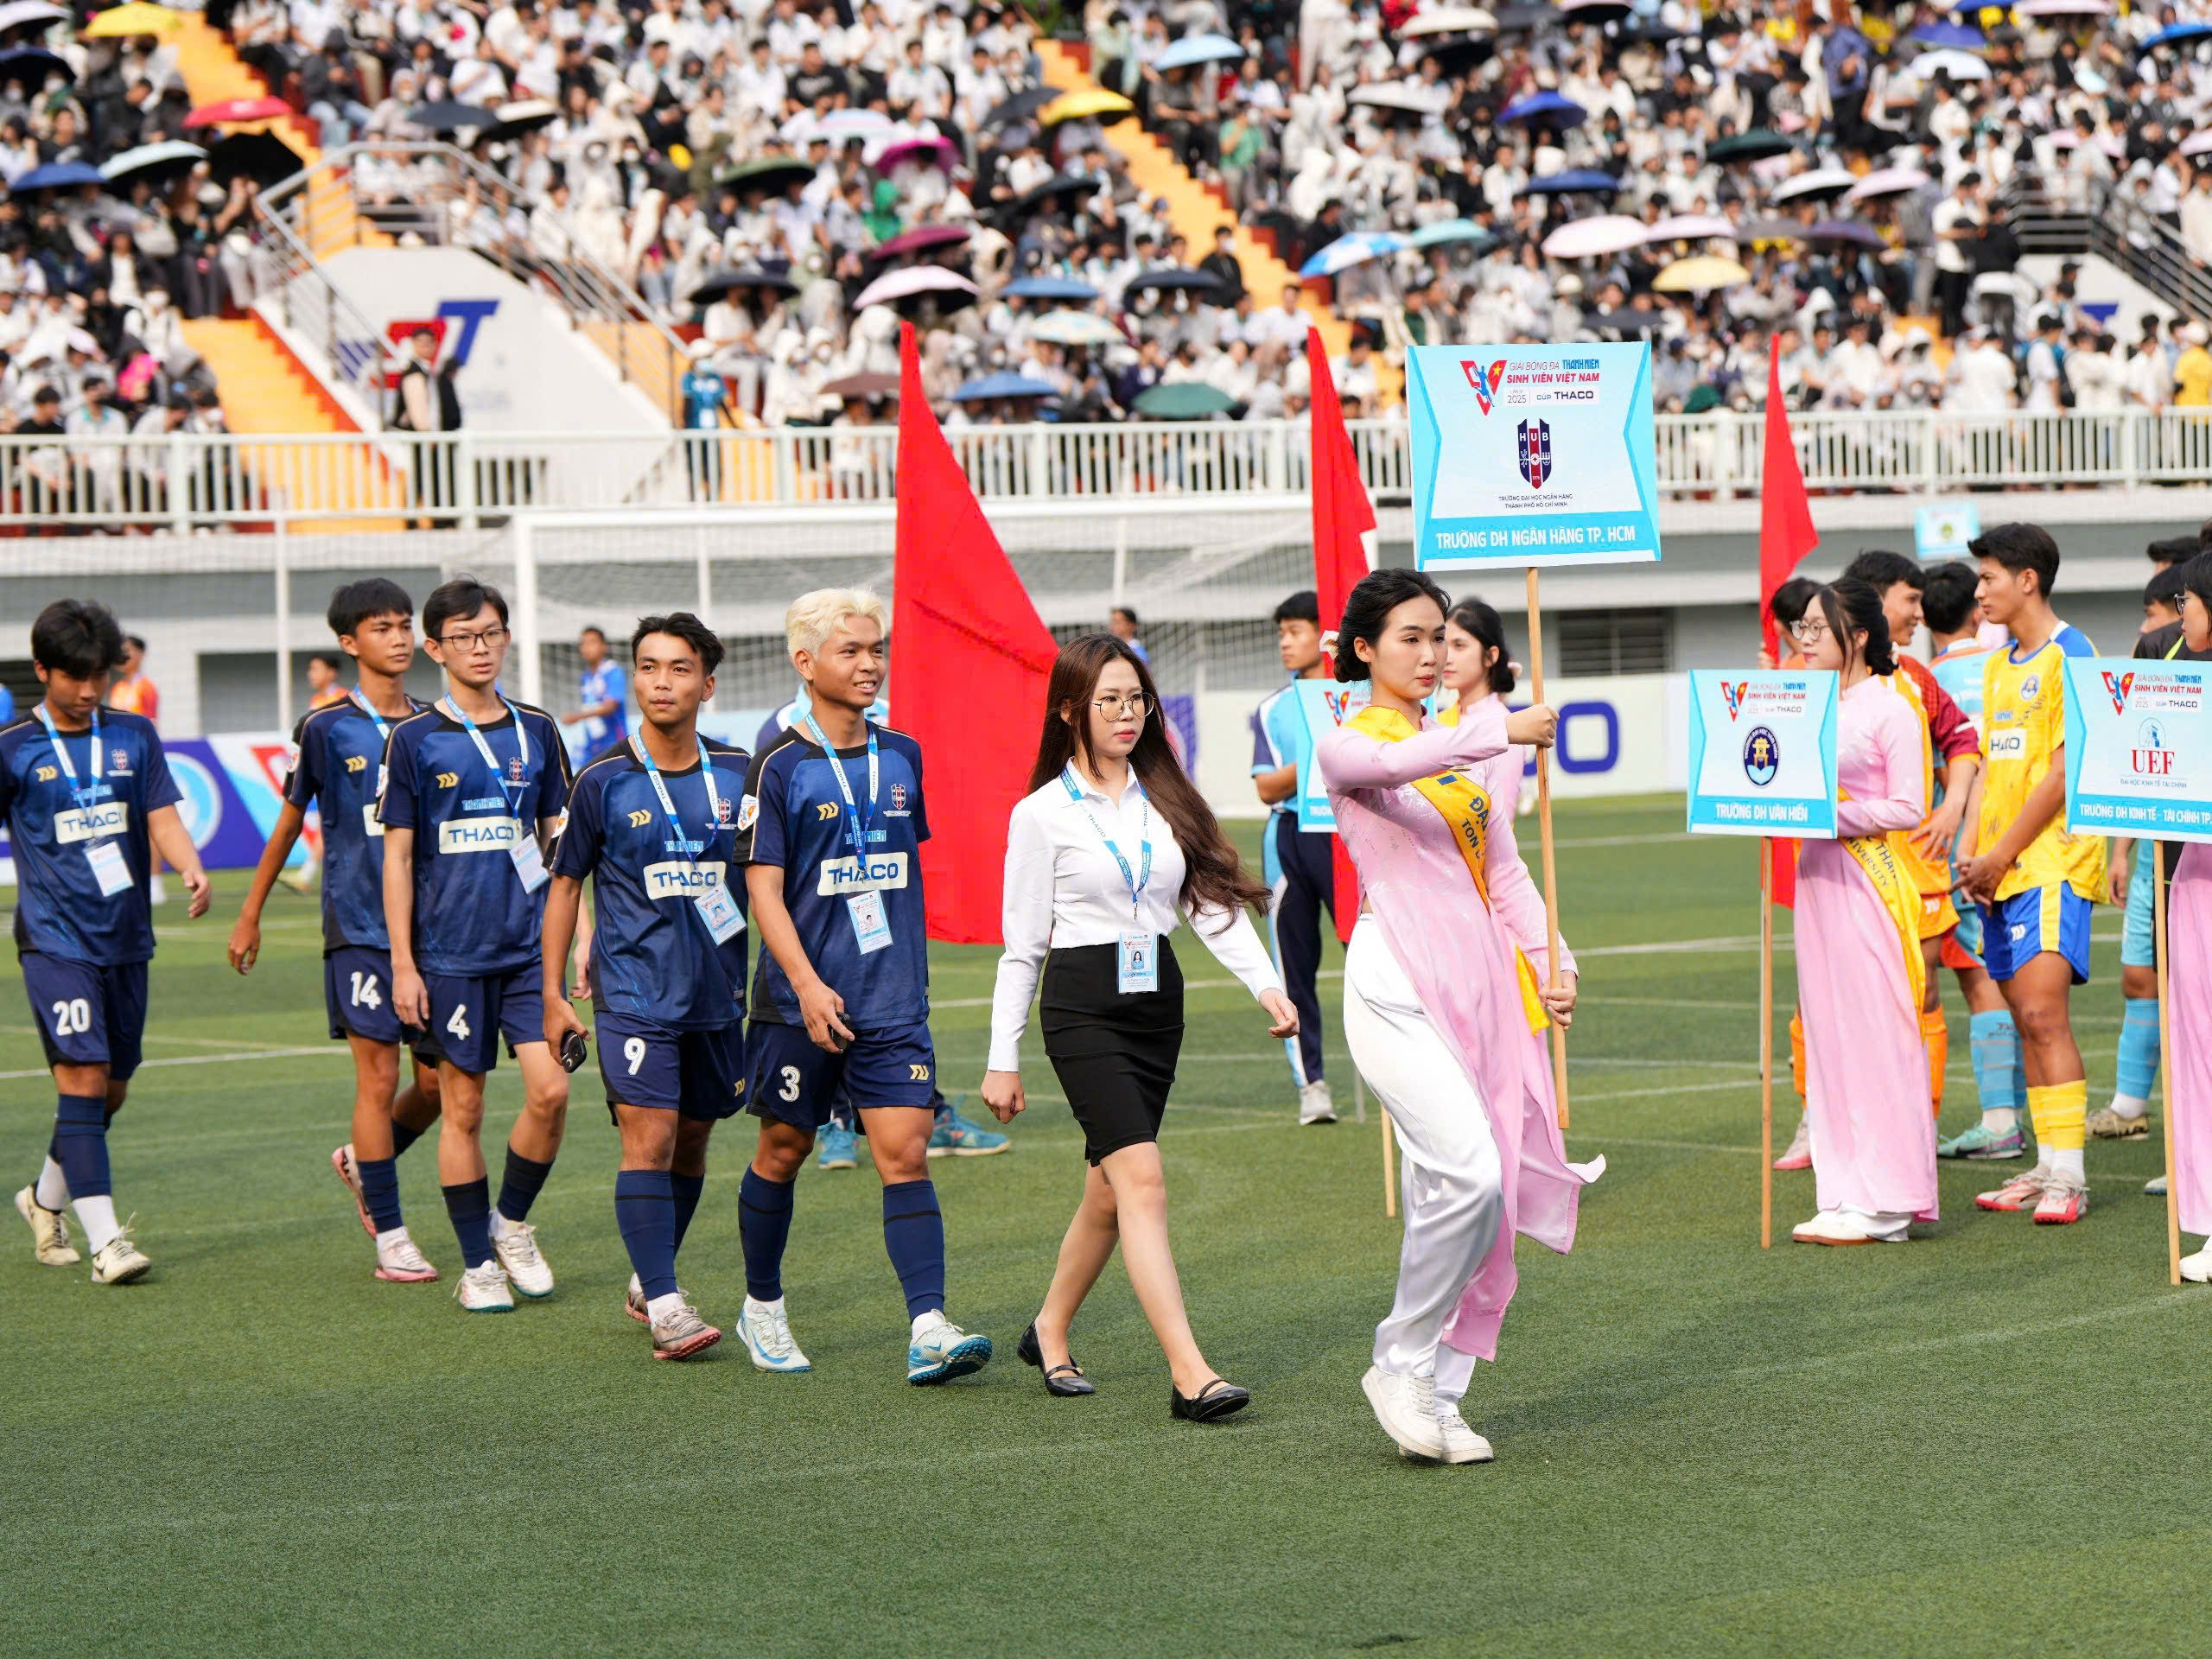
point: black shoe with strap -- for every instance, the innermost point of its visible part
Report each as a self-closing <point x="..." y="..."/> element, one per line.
<point x="1065" y="1381"/>
<point x="1216" y="1399"/>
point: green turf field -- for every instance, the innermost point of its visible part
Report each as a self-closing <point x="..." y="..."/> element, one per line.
<point x="1984" y="1442"/>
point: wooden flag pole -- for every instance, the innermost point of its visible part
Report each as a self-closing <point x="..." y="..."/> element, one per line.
<point x="1544" y="832"/>
<point x="1766" y="1044"/>
<point x="2165" y="1064"/>
<point x="1389" y="1166"/>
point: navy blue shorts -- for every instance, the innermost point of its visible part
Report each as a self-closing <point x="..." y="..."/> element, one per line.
<point x="469" y="1016"/>
<point x="88" y="1014"/>
<point x="789" y="1079"/>
<point x="357" y="992"/>
<point x="693" y="1073"/>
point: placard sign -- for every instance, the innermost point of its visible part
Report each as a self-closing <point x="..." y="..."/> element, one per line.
<point x="1762" y="753"/>
<point x="2139" y="748"/>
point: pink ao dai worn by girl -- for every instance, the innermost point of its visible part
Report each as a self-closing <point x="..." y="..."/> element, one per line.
<point x="2189" y="1017"/>
<point x="1872" y="1121"/>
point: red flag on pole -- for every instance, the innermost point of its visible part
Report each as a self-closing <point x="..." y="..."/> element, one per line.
<point x="1344" y="551"/>
<point x="972" y="648"/>
<point x="1786" y="536"/>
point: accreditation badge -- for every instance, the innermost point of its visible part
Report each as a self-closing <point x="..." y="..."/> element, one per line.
<point x="529" y="862"/>
<point x="719" y="911"/>
<point x="108" y="869"/>
<point x="1137" y="963"/>
<point x="871" y="926"/>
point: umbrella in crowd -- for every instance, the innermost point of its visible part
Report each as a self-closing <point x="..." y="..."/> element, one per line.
<point x="18" y="14"/>
<point x="451" y="116"/>
<point x="915" y="282"/>
<point x="525" y="115"/>
<point x="1394" y="95"/>
<point x="1770" y="230"/>
<point x="1699" y="276"/>
<point x="1820" y="182"/>
<point x="261" y="157"/>
<point x="863" y="385"/>
<point x="1065" y="192"/>
<point x="1076" y="328"/>
<point x="1448" y="20"/>
<point x="1596" y="11"/>
<point x="920" y="238"/>
<point x="1575" y="182"/>
<point x="231" y="110"/>
<point x="1511" y="19"/>
<point x="773" y="173"/>
<point x="1020" y="107"/>
<point x="1691" y="227"/>
<point x="1198" y="49"/>
<point x="57" y="175"/>
<point x="1958" y="35"/>
<point x="1753" y="146"/>
<point x="1050" y="288"/>
<point x="2065" y="8"/>
<point x="1198" y="284"/>
<point x="852" y="124"/>
<point x="939" y="153"/>
<point x="732" y="282"/>
<point x="136" y="18"/>
<point x="1185" y="400"/>
<point x="1887" y="182"/>
<point x="1846" y="231"/>
<point x="1548" y="108"/>
<point x="1450" y="231"/>
<point x="1354" y="249"/>
<point x="1959" y="66"/>
<point x="2176" y="34"/>
<point x="1094" y="104"/>
<point x="2197" y="143"/>
<point x="1005" y="383"/>
<point x="1593" y="239"/>
<point x="27" y="64"/>
<point x="171" y="159"/>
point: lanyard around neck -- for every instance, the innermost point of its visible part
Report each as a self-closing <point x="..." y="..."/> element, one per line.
<point x="512" y="792"/>
<point x="668" y="802"/>
<point x="1138" y="880"/>
<point x="86" y="795"/>
<point x="856" y="828"/>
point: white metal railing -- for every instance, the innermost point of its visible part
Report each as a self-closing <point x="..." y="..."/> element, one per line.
<point x="185" y="480"/>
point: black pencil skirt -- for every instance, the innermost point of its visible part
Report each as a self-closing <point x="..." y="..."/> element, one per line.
<point x="1115" y="1055"/>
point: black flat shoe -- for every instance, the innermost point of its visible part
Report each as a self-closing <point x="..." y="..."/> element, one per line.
<point x="1217" y="1399"/>
<point x="1066" y="1381"/>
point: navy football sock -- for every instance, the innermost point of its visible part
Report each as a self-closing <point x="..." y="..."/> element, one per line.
<point x="80" y="1144"/>
<point x="403" y="1137"/>
<point x="644" y="1210"/>
<point x="687" y="1189"/>
<point x="764" y="1222"/>
<point x="913" y="1234"/>
<point x="469" y="1204"/>
<point x="379" y="1190"/>
<point x="518" y="1187"/>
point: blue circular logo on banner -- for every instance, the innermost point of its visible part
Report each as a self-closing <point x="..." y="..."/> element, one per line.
<point x="1762" y="756"/>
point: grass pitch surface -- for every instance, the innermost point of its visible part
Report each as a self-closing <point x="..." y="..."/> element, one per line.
<point x="1985" y="1441"/>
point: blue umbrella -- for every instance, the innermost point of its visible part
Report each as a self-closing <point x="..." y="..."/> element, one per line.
<point x="1548" y="107"/>
<point x="1198" y="49"/>
<point x="1451" y="230"/>
<point x="2178" y="35"/>
<point x="1050" y="288"/>
<point x="1952" y="35"/>
<point x="61" y="175"/>
<point x="26" y="63"/>
<point x="1578" y="181"/>
<point x="1005" y="383"/>
<point x="1354" y="249"/>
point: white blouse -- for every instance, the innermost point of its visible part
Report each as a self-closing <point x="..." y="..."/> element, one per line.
<point x="1064" y="887"/>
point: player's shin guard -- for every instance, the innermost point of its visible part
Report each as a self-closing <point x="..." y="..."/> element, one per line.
<point x="2059" y="1111"/>
<point x="79" y="1145"/>
<point x="687" y="1189"/>
<point x="1996" y="1075"/>
<point x="469" y="1205"/>
<point x="1797" y="1055"/>
<point x="764" y="1222"/>
<point x="913" y="1235"/>
<point x="644" y="1211"/>
<point x="2138" y="1048"/>
<point x="518" y="1187"/>
<point x="1935" y="1037"/>
<point x="402" y="1136"/>
<point x="380" y="1179"/>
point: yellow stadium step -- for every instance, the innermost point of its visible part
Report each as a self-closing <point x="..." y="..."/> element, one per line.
<point x="641" y="352"/>
<point x="1196" y="213"/>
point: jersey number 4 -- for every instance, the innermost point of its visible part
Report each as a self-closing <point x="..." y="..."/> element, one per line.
<point x="459" y="1024"/>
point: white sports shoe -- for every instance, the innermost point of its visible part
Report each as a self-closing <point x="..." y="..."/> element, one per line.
<point x="768" y="1337"/>
<point x="1461" y="1443"/>
<point x="49" y="1231"/>
<point x="484" y="1290"/>
<point x="401" y="1263"/>
<point x="1314" y="1105"/>
<point x="1406" y="1407"/>
<point x="682" y="1333"/>
<point x="515" y="1243"/>
<point x="2197" y="1269"/>
<point x="118" y="1261"/>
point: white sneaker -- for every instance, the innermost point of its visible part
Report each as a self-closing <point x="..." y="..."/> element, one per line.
<point x="768" y="1337"/>
<point x="49" y="1231"/>
<point x="119" y="1261"/>
<point x="2197" y="1270"/>
<point x="1461" y="1444"/>
<point x="515" y="1243"/>
<point x="1843" y="1227"/>
<point x="680" y="1333"/>
<point x="1406" y="1407"/>
<point x="484" y="1290"/>
<point x="401" y="1263"/>
<point x="2155" y="1187"/>
<point x="1314" y="1105"/>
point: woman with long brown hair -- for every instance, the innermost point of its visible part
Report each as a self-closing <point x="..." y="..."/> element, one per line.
<point x="1112" y="849"/>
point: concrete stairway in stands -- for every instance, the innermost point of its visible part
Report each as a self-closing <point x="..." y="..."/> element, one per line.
<point x="1197" y="213"/>
<point x="265" y="388"/>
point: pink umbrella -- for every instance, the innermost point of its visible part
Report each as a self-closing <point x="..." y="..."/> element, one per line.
<point x="910" y="281"/>
<point x="923" y="152"/>
<point x="238" y="109"/>
<point x="1590" y="239"/>
<point x="1886" y="182"/>
<point x="1692" y="227"/>
<point x="920" y="237"/>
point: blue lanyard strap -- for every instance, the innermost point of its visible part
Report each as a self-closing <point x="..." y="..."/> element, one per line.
<point x="512" y="792"/>
<point x="87" y="794"/>
<point x="668" y="802"/>
<point x="856" y="828"/>
<point x="383" y="725"/>
<point x="1136" y="881"/>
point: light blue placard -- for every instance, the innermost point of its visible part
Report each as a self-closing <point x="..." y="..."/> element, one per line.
<point x="1762" y="753"/>
<point x="1532" y="454"/>
<point x="2139" y="748"/>
<point x="1943" y="531"/>
<point x="1325" y="705"/>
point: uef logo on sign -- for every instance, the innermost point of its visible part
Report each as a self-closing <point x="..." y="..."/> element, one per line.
<point x="1762" y="757"/>
<point x="2151" y="758"/>
<point x="1535" y="452"/>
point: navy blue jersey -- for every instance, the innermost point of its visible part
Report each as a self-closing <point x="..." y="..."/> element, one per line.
<point x="651" y="952"/>
<point x="472" y="916"/>
<point x="338" y="767"/>
<point x="794" y="817"/>
<point x="60" y="909"/>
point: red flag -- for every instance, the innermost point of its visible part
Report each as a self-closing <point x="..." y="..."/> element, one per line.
<point x="974" y="649"/>
<point x="1344" y="551"/>
<point x="1786" y="536"/>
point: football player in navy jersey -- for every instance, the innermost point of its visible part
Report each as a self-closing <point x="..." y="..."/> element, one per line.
<point x="473" y="788"/>
<point x="652" y="824"/>
<point x="338" y="757"/>
<point x="830" y="832"/>
<point x="88" y="798"/>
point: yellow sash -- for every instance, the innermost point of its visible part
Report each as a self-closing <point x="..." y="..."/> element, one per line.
<point x="1894" y="887"/>
<point x="1464" y="804"/>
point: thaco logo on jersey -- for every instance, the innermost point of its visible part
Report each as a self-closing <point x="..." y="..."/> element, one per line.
<point x="1535" y="452"/>
<point x="685" y="880"/>
<point x="2117" y="685"/>
<point x="1485" y="382"/>
<point x="91" y="823"/>
<point x="881" y="872"/>
<point x="479" y="835"/>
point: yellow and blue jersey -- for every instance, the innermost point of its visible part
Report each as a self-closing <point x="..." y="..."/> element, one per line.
<point x="795" y="817"/>
<point x="651" y="955"/>
<point x="337" y="768"/>
<point x="52" y="824"/>
<point x="473" y="917"/>
<point x="2023" y="726"/>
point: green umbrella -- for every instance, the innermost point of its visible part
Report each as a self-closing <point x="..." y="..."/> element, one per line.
<point x="1186" y="400"/>
<point x="1755" y="145"/>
